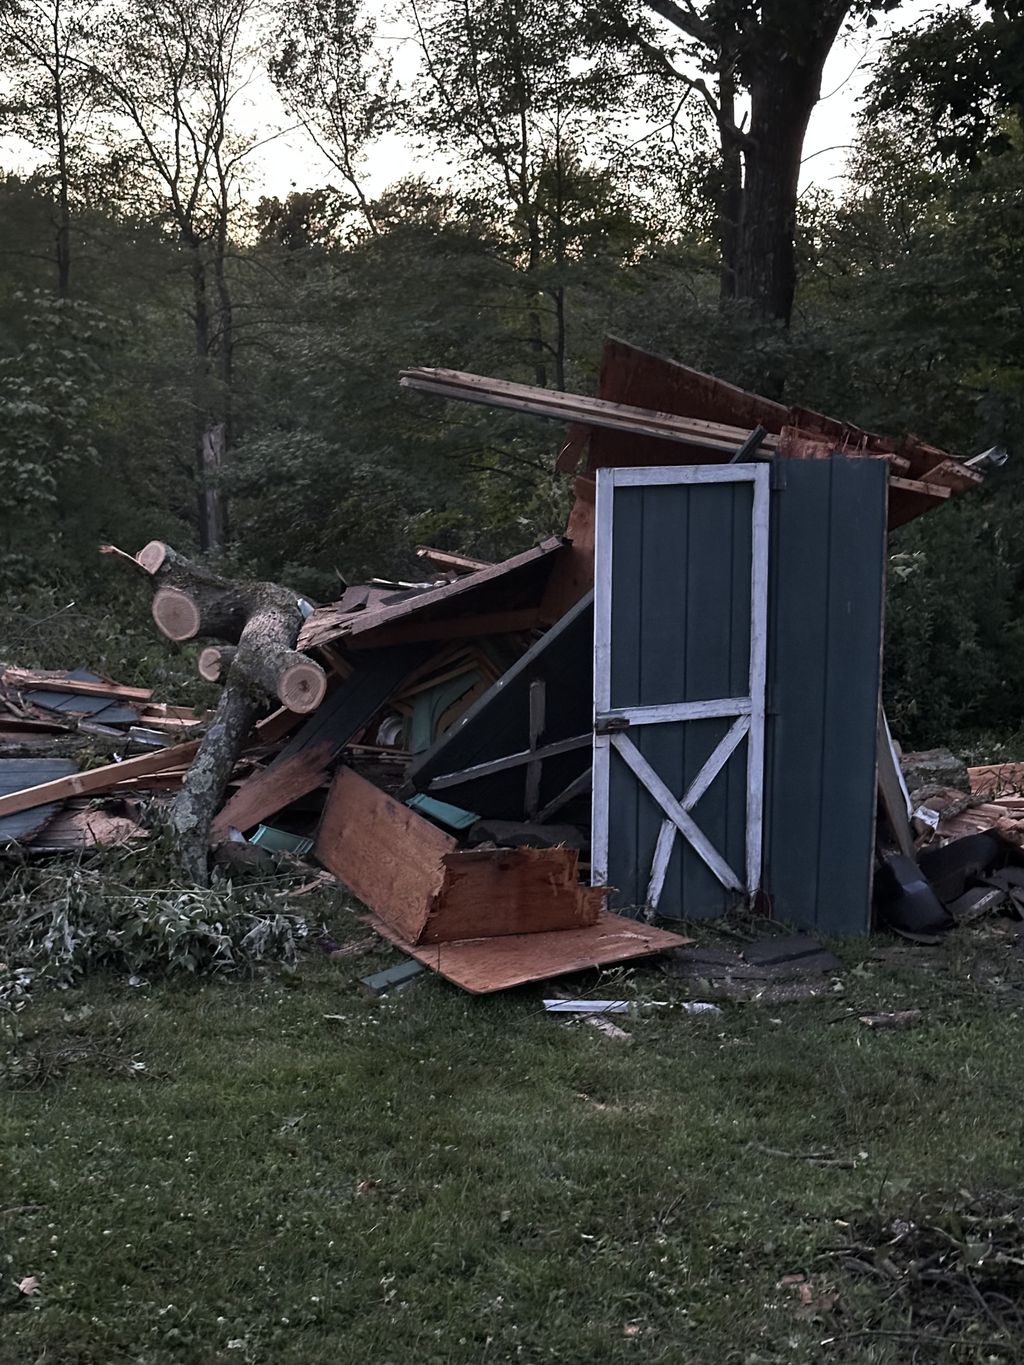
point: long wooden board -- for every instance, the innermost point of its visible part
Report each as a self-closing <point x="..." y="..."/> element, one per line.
<point x="576" y="408"/>
<point x="515" y="583"/>
<point x="271" y="789"/>
<point x="98" y="779"/>
<point x="61" y="682"/>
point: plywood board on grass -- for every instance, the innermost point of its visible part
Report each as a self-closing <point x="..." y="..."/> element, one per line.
<point x="483" y="965"/>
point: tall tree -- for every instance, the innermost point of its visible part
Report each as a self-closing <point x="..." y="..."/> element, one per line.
<point x="42" y="43"/>
<point x="769" y="55"/>
<point x="170" y="73"/>
<point x="331" y="77"/>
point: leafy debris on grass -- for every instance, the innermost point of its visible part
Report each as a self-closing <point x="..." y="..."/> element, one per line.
<point x="950" y="1271"/>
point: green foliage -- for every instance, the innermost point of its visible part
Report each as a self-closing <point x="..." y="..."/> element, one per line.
<point x="68" y="920"/>
<point x="49" y="393"/>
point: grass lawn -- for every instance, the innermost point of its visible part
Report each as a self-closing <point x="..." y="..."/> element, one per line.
<point x="304" y="1173"/>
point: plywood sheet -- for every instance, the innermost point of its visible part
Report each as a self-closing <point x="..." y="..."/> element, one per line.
<point x="386" y="854"/>
<point x="483" y="965"/>
<point x="511" y="891"/>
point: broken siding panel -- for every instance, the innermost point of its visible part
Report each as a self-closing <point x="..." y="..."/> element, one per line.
<point x="825" y="634"/>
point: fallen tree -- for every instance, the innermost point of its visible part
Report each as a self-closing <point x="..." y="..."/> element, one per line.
<point x="257" y="625"/>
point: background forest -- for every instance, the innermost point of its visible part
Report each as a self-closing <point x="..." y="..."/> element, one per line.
<point x="183" y="357"/>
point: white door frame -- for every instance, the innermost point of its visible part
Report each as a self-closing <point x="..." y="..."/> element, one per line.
<point x="611" y="725"/>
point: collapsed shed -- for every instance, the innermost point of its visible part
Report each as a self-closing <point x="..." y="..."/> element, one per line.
<point x="672" y="709"/>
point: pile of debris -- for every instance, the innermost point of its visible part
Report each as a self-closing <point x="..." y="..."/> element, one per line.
<point x="435" y="742"/>
<point x="952" y="847"/>
<point x="46" y="717"/>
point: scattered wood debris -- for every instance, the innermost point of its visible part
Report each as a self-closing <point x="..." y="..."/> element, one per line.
<point x="433" y="738"/>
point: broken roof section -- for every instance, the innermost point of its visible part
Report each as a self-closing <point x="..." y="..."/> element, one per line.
<point x="654" y="411"/>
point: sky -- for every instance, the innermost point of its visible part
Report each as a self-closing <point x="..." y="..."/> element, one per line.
<point x="289" y="162"/>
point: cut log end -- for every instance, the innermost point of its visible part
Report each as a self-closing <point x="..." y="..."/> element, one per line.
<point x="214" y="662"/>
<point x="152" y="556"/>
<point x="301" y="686"/>
<point x="176" y="614"/>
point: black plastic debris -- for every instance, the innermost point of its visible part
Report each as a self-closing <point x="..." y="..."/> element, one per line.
<point x="905" y="901"/>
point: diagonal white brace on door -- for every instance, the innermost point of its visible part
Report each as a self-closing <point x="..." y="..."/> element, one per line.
<point x="747" y="712"/>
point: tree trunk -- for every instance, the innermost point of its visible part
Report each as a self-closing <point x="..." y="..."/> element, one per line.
<point x="209" y="498"/>
<point x="784" y="80"/>
<point x="261" y="622"/>
<point x="730" y="197"/>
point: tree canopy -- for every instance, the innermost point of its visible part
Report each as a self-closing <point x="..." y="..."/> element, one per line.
<point x="186" y="354"/>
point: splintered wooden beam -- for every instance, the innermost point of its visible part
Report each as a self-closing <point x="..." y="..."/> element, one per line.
<point x="25" y="678"/>
<point x="98" y="779"/>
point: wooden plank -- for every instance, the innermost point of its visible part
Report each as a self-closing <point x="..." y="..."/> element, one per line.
<point x="929" y="490"/>
<point x="574" y="408"/>
<point x="493" y="892"/>
<point x="445" y="559"/>
<point x="514" y="583"/>
<point x="25" y="678"/>
<point x="483" y="965"/>
<point x="386" y="854"/>
<point x="269" y="790"/>
<point x="577" y="787"/>
<point x="525" y="758"/>
<point x="996" y="778"/>
<point x="97" y="779"/>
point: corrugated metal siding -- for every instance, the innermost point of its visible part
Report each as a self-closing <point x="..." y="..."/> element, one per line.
<point x="824" y="663"/>
<point x="680" y="632"/>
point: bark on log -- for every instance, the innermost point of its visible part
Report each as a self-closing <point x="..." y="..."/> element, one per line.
<point x="259" y="623"/>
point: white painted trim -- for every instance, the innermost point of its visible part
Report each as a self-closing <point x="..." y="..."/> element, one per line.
<point x="651" y="477"/>
<point x="659" y="866"/>
<point x="674" y="711"/>
<point x="599" y="810"/>
<point x="897" y="765"/>
<point x="717" y="760"/>
<point x="687" y="827"/>
<point x="759" y="560"/>
<point x="603" y="536"/>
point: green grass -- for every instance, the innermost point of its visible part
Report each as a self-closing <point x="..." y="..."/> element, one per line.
<point x="432" y="1177"/>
